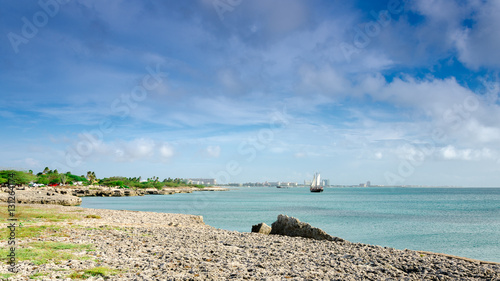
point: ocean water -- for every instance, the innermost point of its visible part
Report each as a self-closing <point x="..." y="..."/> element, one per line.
<point x="456" y="221"/>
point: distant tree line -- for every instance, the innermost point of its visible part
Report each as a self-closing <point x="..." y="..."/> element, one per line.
<point x="48" y="177"/>
<point x="137" y="182"/>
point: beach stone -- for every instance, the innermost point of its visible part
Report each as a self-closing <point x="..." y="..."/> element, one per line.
<point x="290" y="226"/>
<point x="151" y="191"/>
<point x="261" y="228"/>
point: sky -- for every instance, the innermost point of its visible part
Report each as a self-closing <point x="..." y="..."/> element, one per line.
<point x="393" y="92"/>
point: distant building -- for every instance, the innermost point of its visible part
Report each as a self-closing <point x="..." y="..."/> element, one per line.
<point x="202" y="181"/>
<point x="367" y="184"/>
<point x="325" y="182"/>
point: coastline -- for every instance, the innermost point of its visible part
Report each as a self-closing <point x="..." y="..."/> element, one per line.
<point x="70" y="196"/>
<point x="105" y="191"/>
<point x="146" y="245"/>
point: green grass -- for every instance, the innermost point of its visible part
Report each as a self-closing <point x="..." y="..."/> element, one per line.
<point x="44" y="252"/>
<point x="34" y="232"/>
<point x="94" y="272"/>
<point x="28" y="214"/>
<point x="61" y="246"/>
<point x="6" y="276"/>
<point x="92" y="217"/>
<point x="39" y="274"/>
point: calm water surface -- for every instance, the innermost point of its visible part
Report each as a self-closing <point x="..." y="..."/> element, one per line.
<point x="457" y="221"/>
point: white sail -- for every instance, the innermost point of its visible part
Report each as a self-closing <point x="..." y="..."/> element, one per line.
<point x="316" y="180"/>
<point x="316" y="183"/>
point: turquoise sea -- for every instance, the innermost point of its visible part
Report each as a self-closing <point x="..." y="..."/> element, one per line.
<point x="457" y="221"/>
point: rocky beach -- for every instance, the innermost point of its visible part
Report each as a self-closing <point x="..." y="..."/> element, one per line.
<point x="69" y="196"/>
<point x="103" y="191"/>
<point x="128" y="245"/>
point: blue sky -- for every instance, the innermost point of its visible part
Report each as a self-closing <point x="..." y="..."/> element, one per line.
<point x="395" y="92"/>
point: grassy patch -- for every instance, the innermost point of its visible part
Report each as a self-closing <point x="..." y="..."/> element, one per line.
<point x="6" y="276"/>
<point x="92" y="217"/>
<point x="43" y="252"/>
<point x="39" y="274"/>
<point x="34" y="232"/>
<point x="29" y="214"/>
<point x="61" y="246"/>
<point x="94" y="272"/>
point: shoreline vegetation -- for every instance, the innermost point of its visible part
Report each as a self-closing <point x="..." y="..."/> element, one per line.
<point x="52" y="187"/>
<point x="74" y="243"/>
<point x="49" y="177"/>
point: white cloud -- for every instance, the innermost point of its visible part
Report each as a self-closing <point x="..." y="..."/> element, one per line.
<point x="324" y="80"/>
<point x="452" y="153"/>
<point x="139" y="148"/>
<point x="213" y="151"/>
<point x="300" y="155"/>
<point x="478" y="45"/>
<point x="136" y="149"/>
<point x="166" y="151"/>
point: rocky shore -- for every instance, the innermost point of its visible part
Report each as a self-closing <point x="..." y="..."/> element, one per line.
<point x="69" y="196"/>
<point x="117" y="192"/>
<point x="158" y="246"/>
<point x="41" y="197"/>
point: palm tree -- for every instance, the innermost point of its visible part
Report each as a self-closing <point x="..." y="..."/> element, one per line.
<point x="63" y="179"/>
<point x="46" y="170"/>
<point x="91" y="177"/>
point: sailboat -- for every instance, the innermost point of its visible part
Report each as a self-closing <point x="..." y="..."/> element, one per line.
<point x="316" y="184"/>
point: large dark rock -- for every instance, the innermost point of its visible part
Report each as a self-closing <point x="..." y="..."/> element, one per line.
<point x="290" y="226"/>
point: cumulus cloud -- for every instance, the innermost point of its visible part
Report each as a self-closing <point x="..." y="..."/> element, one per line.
<point x="450" y="152"/>
<point x="478" y="44"/>
<point x="443" y="28"/>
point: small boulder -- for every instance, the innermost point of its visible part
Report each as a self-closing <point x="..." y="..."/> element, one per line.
<point x="261" y="228"/>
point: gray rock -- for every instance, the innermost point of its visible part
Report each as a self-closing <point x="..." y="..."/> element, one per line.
<point x="290" y="226"/>
<point x="261" y="228"/>
<point x="37" y="197"/>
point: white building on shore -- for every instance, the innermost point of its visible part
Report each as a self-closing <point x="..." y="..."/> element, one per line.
<point x="202" y="181"/>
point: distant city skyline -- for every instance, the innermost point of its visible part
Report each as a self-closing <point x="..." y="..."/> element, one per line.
<point x="395" y="92"/>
